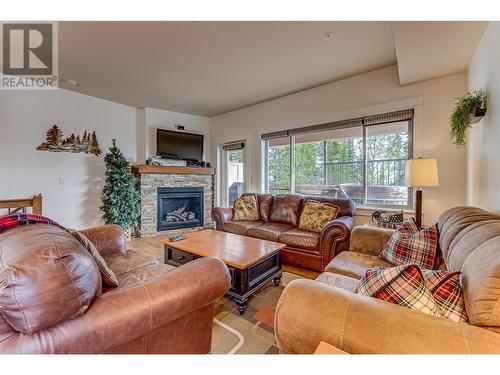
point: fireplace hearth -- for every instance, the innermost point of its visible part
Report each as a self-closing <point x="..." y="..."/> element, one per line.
<point x="180" y="207"/>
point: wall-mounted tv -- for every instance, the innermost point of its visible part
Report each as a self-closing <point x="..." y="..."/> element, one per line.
<point x="179" y="145"/>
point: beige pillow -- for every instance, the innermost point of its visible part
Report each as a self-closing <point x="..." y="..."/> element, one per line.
<point x="109" y="278"/>
<point x="246" y="208"/>
<point x="316" y="215"/>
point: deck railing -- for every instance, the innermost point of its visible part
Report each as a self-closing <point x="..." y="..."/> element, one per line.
<point x="382" y="172"/>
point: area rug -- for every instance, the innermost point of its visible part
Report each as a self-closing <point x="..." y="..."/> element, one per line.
<point x="253" y="332"/>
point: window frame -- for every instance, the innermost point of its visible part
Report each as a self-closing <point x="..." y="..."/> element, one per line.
<point x="325" y="127"/>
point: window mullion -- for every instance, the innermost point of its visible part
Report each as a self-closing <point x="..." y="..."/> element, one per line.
<point x="292" y="164"/>
<point x="365" y="166"/>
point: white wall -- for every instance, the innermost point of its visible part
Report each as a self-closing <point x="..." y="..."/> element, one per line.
<point x="370" y="93"/>
<point x="157" y="118"/>
<point x="25" y="116"/>
<point x="483" y="156"/>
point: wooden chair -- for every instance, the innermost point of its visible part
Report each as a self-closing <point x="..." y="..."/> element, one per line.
<point x="20" y="205"/>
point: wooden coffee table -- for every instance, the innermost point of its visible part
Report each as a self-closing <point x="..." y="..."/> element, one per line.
<point x="252" y="262"/>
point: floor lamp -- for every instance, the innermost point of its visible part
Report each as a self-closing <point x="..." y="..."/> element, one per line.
<point x="421" y="173"/>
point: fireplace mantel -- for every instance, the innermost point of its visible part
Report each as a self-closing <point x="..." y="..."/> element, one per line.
<point x="156" y="169"/>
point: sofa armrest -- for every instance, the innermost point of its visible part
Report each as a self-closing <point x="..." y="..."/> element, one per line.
<point x="335" y="238"/>
<point x="221" y="215"/>
<point x="309" y="312"/>
<point x="108" y="239"/>
<point x="126" y="313"/>
<point x="369" y="240"/>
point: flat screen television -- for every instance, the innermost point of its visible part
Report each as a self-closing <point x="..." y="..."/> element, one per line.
<point x="179" y="145"/>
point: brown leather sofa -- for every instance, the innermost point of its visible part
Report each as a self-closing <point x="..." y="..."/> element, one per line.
<point x="279" y="220"/>
<point x="327" y="310"/>
<point x="51" y="299"/>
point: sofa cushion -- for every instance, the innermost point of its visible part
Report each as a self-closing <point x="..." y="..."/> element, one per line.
<point x="144" y="274"/>
<point x="265" y="203"/>
<point x="315" y="215"/>
<point x="131" y="260"/>
<point x="240" y="227"/>
<point x="108" y="276"/>
<point x="285" y="209"/>
<point x="409" y="245"/>
<point x="447" y="292"/>
<point x="401" y="285"/>
<point x="269" y="231"/>
<point x="246" y="208"/>
<point x="352" y="264"/>
<point x="46" y="277"/>
<point x="300" y="238"/>
<point x="339" y="281"/>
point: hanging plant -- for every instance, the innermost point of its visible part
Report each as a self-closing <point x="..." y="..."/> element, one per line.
<point x="463" y="115"/>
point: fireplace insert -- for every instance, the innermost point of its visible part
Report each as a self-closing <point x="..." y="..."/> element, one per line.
<point x="180" y="207"/>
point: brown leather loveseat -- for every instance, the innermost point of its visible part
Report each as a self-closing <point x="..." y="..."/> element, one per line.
<point x="279" y="220"/>
<point x="327" y="309"/>
<point x="51" y="299"/>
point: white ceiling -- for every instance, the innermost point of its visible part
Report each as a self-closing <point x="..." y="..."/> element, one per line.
<point x="208" y="68"/>
<point x="427" y="50"/>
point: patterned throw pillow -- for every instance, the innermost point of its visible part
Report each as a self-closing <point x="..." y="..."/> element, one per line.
<point x="448" y="293"/>
<point x="409" y="245"/>
<point x="246" y="208"/>
<point x="316" y="215"/>
<point x="401" y="285"/>
<point x="109" y="278"/>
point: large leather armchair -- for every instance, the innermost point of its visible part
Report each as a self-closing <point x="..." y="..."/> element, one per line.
<point x="156" y="308"/>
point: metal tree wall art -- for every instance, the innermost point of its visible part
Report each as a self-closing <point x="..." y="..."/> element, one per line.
<point x="54" y="142"/>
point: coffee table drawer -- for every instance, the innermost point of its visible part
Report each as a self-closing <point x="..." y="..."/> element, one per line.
<point x="178" y="257"/>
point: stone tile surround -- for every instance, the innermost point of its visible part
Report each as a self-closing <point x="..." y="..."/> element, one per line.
<point x="149" y="184"/>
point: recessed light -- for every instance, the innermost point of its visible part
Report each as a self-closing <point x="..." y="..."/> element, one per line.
<point x="70" y="82"/>
<point x="328" y="36"/>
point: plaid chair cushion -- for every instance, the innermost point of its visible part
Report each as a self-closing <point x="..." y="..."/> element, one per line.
<point x="401" y="285"/>
<point x="409" y="245"/>
<point x="13" y="220"/>
<point x="448" y="293"/>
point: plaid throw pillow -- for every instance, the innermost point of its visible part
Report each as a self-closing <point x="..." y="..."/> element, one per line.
<point x="447" y="291"/>
<point x="13" y="220"/>
<point x="409" y="245"/>
<point x="401" y="285"/>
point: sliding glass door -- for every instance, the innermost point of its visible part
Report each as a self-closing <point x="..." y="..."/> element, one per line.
<point x="233" y="172"/>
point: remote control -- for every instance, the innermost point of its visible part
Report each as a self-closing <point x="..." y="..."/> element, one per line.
<point x="177" y="238"/>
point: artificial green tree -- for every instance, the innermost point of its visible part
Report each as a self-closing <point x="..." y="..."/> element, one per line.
<point x="120" y="196"/>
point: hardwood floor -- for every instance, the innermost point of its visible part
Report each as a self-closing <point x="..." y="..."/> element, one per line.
<point x="153" y="247"/>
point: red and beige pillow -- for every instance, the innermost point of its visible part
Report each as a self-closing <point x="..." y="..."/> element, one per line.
<point x="246" y="208"/>
<point x="316" y="215"/>
<point x="436" y="293"/>
<point x="448" y="293"/>
<point x="409" y="245"/>
<point x="401" y="285"/>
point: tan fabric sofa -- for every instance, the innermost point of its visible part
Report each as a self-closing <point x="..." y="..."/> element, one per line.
<point x="327" y="310"/>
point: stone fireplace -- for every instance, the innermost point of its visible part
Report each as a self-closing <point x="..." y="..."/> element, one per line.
<point x="174" y="199"/>
<point x="179" y="207"/>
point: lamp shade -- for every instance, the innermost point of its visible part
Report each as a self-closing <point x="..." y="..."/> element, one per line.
<point x="422" y="172"/>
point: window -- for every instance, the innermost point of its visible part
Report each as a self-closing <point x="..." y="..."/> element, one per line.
<point x="233" y="166"/>
<point x="363" y="159"/>
<point x="278" y="166"/>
